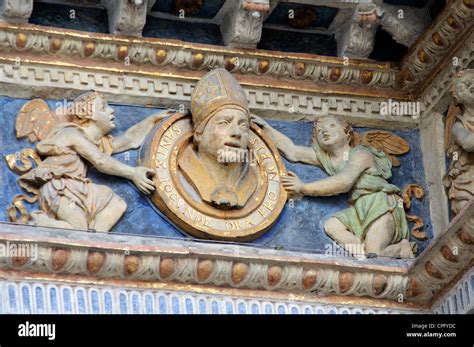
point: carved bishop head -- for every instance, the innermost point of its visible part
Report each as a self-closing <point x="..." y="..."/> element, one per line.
<point x="217" y="90"/>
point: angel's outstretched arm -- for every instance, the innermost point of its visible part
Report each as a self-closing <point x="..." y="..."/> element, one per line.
<point x="343" y="181"/>
<point x="287" y="147"/>
<point x="136" y="134"/>
<point x="140" y="176"/>
<point x="463" y="137"/>
<point x="337" y="184"/>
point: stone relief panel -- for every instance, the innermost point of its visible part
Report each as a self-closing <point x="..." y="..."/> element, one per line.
<point x="69" y="140"/>
<point x="459" y="140"/>
<point x="219" y="163"/>
<point x="375" y="221"/>
<point x="218" y="176"/>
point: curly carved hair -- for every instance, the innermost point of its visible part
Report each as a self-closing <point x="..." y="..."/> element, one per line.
<point x="348" y="130"/>
<point x="83" y="107"/>
<point x="457" y="79"/>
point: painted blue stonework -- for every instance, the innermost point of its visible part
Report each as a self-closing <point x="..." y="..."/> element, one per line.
<point x="39" y="299"/>
<point x="149" y="304"/>
<point x="81" y="301"/>
<point x="108" y="303"/>
<point x="67" y="300"/>
<point x="25" y="293"/>
<point x="298" y="228"/>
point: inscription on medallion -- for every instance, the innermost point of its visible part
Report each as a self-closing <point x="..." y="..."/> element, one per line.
<point x="179" y="201"/>
<point x="217" y="174"/>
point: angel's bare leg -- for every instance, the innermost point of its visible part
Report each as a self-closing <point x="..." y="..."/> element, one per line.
<point x="401" y="249"/>
<point x="106" y="219"/>
<point x="380" y="235"/>
<point x="337" y="231"/>
<point x="69" y="212"/>
<point x="40" y="218"/>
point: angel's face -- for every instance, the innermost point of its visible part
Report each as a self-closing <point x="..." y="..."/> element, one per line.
<point x="103" y="115"/>
<point x="330" y="133"/>
<point x="464" y="88"/>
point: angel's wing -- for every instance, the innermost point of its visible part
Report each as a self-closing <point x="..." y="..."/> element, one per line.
<point x="386" y="141"/>
<point x="36" y="120"/>
<point x="453" y="111"/>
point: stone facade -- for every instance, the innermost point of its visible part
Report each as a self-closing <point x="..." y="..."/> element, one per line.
<point x="289" y="269"/>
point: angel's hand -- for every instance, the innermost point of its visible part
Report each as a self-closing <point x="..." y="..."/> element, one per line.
<point x="142" y="179"/>
<point x="259" y="121"/>
<point x="292" y="183"/>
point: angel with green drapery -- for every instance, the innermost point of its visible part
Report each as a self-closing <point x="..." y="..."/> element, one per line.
<point x="375" y="221"/>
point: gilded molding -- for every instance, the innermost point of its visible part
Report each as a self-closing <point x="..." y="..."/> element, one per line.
<point x="116" y="257"/>
<point x="259" y="68"/>
<point x="451" y="29"/>
<point x="448" y="255"/>
<point x="215" y="265"/>
<point x="65" y="81"/>
<point x="437" y="88"/>
<point x="288" y="71"/>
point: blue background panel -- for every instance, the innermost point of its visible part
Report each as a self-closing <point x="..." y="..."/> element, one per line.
<point x="298" y="228"/>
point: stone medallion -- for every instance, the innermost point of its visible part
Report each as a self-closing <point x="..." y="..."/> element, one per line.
<point x="177" y="194"/>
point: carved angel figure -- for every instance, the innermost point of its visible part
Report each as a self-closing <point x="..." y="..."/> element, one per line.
<point x="459" y="140"/>
<point x="375" y="221"/>
<point x="70" y="141"/>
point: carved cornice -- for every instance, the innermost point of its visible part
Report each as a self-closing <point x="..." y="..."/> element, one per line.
<point x="12" y="279"/>
<point x="47" y="61"/>
<point x="451" y="29"/>
<point x="286" y="71"/>
<point x="256" y="68"/>
<point x="464" y="288"/>
<point x="449" y="255"/>
<point x="438" y="86"/>
<point x="42" y="79"/>
<point x="65" y="253"/>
